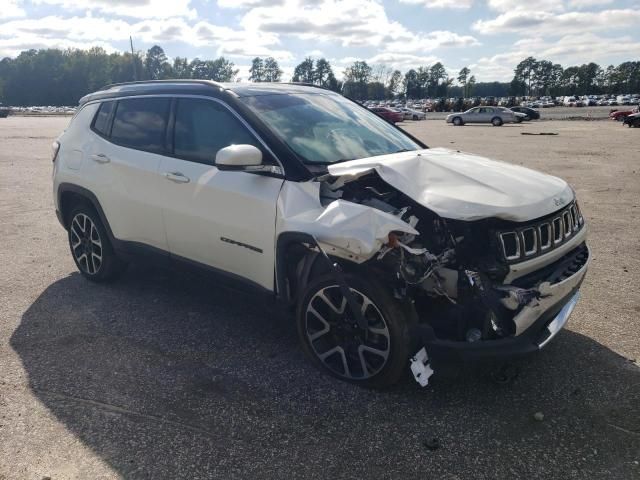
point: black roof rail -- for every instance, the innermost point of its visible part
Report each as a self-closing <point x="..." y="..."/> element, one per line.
<point x="175" y="80"/>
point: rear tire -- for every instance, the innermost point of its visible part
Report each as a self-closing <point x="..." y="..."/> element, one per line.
<point x="373" y="358"/>
<point x="90" y="247"/>
<point x="415" y="117"/>
<point x="496" y="121"/>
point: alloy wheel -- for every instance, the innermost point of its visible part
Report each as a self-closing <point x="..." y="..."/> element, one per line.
<point x="338" y="342"/>
<point x="86" y="244"/>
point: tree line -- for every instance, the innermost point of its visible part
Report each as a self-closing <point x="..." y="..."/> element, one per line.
<point x="542" y="77"/>
<point x="62" y="77"/>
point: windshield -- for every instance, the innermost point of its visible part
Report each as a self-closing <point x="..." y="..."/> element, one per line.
<point x="328" y="128"/>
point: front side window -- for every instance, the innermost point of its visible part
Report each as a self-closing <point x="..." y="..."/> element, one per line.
<point x="323" y="128"/>
<point x="203" y="127"/>
<point x="141" y="123"/>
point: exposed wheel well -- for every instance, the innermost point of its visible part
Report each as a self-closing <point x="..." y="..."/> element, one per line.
<point x="298" y="262"/>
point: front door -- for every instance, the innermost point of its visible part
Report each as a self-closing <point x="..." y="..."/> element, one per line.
<point x="223" y="219"/>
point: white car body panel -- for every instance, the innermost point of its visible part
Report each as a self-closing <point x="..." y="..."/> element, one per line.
<point x="127" y="181"/>
<point x="342" y="228"/>
<point x="224" y="219"/>
<point x="463" y="186"/>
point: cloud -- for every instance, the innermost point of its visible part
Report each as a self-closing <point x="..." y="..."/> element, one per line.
<point x="11" y="47"/>
<point x="525" y="5"/>
<point x="574" y="49"/>
<point x="558" y="24"/>
<point x="127" y="8"/>
<point x="350" y="23"/>
<point x="588" y="3"/>
<point x="82" y="32"/>
<point x="432" y="41"/>
<point x="402" y="61"/>
<point x="249" y="3"/>
<point x="455" y="4"/>
<point x="11" y="9"/>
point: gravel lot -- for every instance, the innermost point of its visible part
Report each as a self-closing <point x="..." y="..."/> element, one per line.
<point x="169" y="375"/>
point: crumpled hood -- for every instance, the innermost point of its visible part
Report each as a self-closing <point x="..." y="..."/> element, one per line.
<point x="463" y="186"/>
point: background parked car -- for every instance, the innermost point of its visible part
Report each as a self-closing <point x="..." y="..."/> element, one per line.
<point x="391" y="115"/>
<point x="619" y="115"/>
<point x="411" y="114"/>
<point x="494" y="115"/>
<point x="530" y="113"/>
<point x="632" y="120"/>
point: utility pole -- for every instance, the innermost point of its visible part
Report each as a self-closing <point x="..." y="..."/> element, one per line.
<point x="133" y="59"/>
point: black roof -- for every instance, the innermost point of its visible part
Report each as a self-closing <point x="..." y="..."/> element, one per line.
<point x="200" y="87"/>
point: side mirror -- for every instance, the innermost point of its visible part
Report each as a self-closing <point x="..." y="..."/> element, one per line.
<point x="239" y="157"/>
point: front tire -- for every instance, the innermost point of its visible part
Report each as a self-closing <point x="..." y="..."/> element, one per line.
<point x="496" y="121"/>
<point x="90" y="247"/>
<point x="457" y="121"/>
<point x="375" y="357"/>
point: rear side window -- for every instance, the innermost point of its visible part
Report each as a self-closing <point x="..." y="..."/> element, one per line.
<point x="101" y="123"/>
<point x="203" y="127"/>
<point x="141" y="123"/>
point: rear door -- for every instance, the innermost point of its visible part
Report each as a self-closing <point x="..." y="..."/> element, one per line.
<point x="223" y="219"/>
<point x="125" y="158"/>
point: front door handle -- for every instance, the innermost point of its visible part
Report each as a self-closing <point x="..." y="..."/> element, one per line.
<point x="100" y="158"/>
<point x="176" y="177"/>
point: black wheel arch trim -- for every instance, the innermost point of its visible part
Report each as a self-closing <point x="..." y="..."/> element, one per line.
<point x="91" y="198"/>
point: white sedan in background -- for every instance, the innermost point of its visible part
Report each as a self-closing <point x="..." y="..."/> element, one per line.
<point x="494" y="115"/>
<point x="411" y="114"/>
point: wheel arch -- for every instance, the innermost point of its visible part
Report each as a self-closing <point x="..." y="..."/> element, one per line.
<point x="298" y="261"/>
<point x="293" y="264"/>
<point x="70" y="195"/>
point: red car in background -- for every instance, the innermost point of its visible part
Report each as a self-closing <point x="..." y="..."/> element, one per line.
<point x="619" y="115"/>
<point x="388" y="114"/>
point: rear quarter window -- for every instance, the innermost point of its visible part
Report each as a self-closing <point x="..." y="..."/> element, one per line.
<point x="141" y="123"/>
<point x="101" y="122"/>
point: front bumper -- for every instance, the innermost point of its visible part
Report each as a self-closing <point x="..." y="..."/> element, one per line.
<point x="537" y="323"/>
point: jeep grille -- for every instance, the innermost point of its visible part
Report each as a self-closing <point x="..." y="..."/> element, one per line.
<point x="540" y="237"/>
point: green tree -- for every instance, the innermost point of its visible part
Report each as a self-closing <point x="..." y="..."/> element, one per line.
<point x="181" y="68"/>
<point x="411" y="84"/>
<point x="463" y="77"/>
<point x="304" y="71"/>
<point x="524" y="73"/>
<point x="395" y="84"/>
<point x="257" y="73"/>
<point x="156" y="65"/>
<point x="272" y="72"/>
<point x="471" y="83"/>
<point x="356" y="78"/>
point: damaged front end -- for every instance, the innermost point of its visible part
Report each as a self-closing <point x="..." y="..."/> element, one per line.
<point x="480" y="288"/>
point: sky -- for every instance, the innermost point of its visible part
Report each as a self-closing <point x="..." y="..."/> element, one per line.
<point x="488" y="36"/>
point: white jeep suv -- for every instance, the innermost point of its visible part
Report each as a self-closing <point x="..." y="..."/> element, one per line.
<point x="391" y="253"/>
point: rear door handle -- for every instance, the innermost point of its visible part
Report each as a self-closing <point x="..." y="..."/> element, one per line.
<point x="100" y="158"/>
<point x="176" y="177"/>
